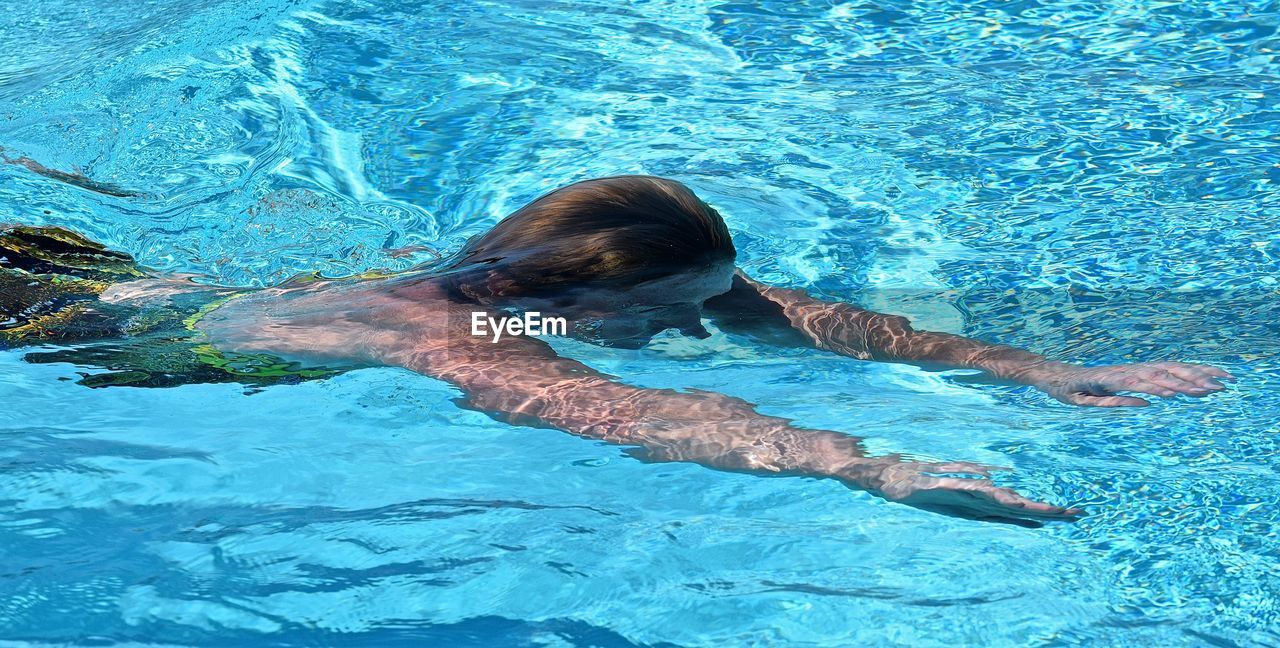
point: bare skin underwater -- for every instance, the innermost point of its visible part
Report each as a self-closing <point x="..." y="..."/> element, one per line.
<point x="621" y="259"/>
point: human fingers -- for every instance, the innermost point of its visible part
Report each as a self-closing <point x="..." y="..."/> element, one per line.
<point x="1109" y="400"/>
<point x="1203" y="375"/>
<point x="981" y="500"/>
<point x="997" y="499"/>
<point x="1162" y="382"/>
<point x="965" y="467"/>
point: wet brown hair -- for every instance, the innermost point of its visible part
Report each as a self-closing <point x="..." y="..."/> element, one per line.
<point x="608" y="232"/>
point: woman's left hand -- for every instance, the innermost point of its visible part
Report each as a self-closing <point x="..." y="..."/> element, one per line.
<point x="960" y="489"/>
<point x="1098" y="386"/>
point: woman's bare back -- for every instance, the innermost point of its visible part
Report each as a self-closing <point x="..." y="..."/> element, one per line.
<point x="335" y="323"/>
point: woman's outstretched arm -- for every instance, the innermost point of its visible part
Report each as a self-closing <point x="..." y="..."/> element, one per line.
<point x="848" y="330"/>
<point x="523" y="381"/>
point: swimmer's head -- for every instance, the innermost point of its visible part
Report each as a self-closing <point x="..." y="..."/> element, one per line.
<point x="623" y="257"/>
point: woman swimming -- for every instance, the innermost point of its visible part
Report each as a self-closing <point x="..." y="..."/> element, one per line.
<point x="621" y="259"/>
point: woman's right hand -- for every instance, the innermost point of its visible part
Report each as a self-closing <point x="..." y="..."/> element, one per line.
<point x="926" y="486"/>
<point x="1100" y="386"/>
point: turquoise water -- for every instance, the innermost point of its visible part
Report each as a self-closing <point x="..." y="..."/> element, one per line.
<point x="1096" y="181"/>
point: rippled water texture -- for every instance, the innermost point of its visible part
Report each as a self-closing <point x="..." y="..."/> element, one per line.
<point x="1093" y="180"/>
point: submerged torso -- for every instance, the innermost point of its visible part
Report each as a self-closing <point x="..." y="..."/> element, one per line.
<point x="66" y="299"/>
<point x="339" y="324"/>
<point x="163" y="332"/>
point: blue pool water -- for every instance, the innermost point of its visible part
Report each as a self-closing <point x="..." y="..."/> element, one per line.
<point x="1093" y="180"/>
